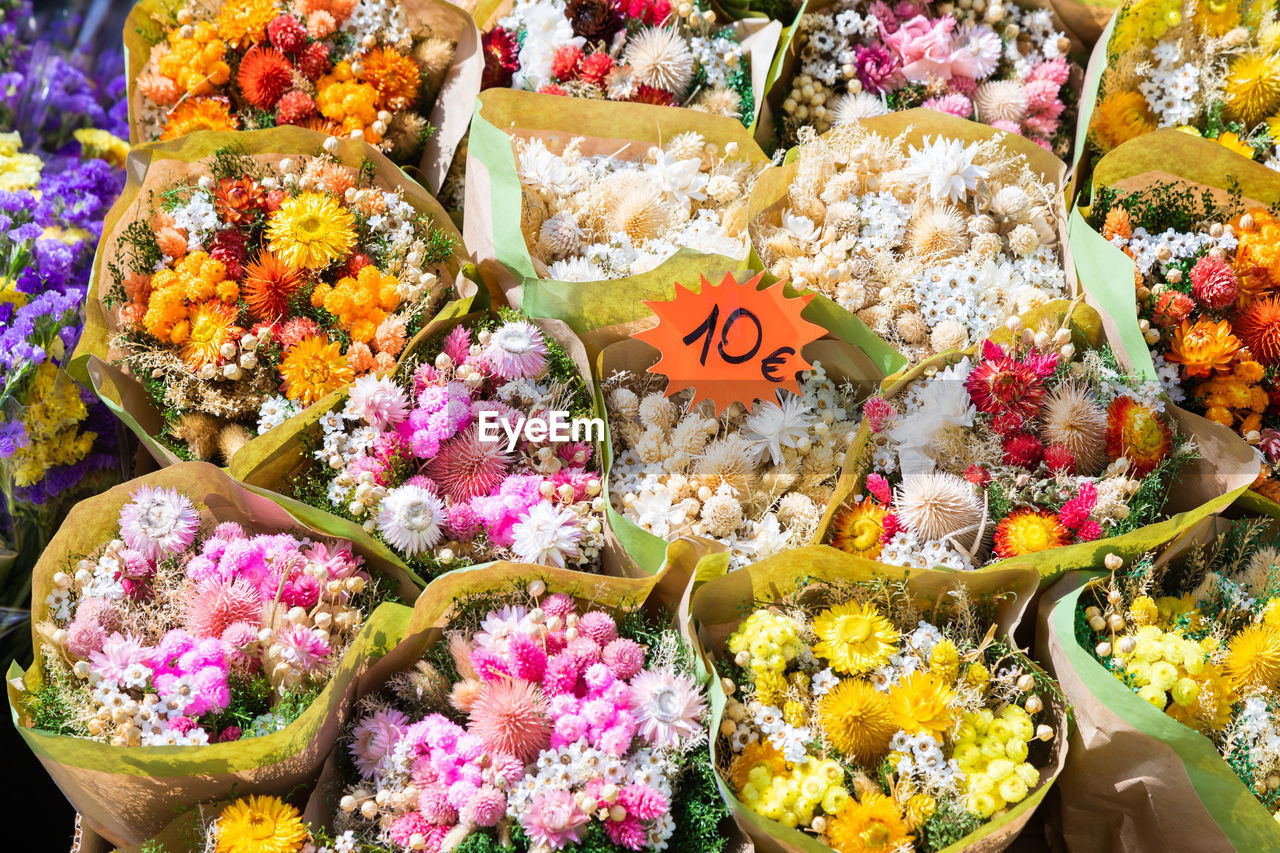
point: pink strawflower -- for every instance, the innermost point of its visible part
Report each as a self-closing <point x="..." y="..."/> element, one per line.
<point x="377" y="401"/>
<point x="158" y="522"/>
<point x="628" y="833"/>
<point x="668" y="706"/>
<point x="306" y="649"/>
<point x="879" y="412"/>
<point x="516" y="350"/>
<point x="878" y="487"/>
<point x="624" y="657"/>
<point x="554" y="819"/>
<point x="118" y="653"/>
<point x="373" y="738"/>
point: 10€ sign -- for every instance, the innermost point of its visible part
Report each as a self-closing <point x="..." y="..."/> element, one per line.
<point x="731" y="342"/>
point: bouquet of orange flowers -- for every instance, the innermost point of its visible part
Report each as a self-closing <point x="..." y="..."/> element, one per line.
<point x="250" y="287"/>
<point x="367" y="70"/>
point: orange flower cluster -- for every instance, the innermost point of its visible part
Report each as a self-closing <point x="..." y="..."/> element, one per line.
<point x="196" y="64"/>
<point x="242" y="22"/>
<point x="180" y="298"/>
<point x="1236" y="399"/>
<point x="394" y="76"/>
<point x="347" y="102"/>
<point x="362" y="303"/>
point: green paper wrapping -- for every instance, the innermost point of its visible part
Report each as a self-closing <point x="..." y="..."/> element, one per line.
<point x="158" y="164"/>
<point x="720" y="605"/>
<point x="448" y="115"/>
<point x="126" y="794"/>
<point x="839" y="357"/>
<point x="494" y="198"/>
<point x="1089" y="91"/>
<point x="1203" y="487"/>
<point x="1136" y="779"/>
<point x="268" y="463"/>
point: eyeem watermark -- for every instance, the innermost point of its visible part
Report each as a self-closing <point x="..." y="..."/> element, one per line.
<point x="557" y="426"/>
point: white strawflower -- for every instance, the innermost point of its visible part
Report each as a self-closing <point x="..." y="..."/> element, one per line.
<point x="409" y="519"/>
<point x="547" y="535"/>
<point x="946" y="167"/>
<point x="772" y="427"/>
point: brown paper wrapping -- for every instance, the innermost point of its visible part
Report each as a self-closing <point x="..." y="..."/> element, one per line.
<point x="152" y="167"/>
<point x="719" y="606"/>
<point x="449" y="112"/>
<point x="127" y="794"/>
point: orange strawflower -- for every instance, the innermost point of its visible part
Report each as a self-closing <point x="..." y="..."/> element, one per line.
<point x="313" y="368"/>
<point x="348" y="102"/>
<point x="212" y="324"/>
<point x="199" y="114"/>
<point x="268" y="284"/>
<point x="194" y="279"/>
<point x="1236" y="397"/>
<point x="1117" y="224"/>
<point x="159" y="89"/>
<point x="172" y="241"/>
<point x="242" y="22"/>
<point x="236" y="199"/>
<point x="390" y="336"/>
<point x="1257" y="258"/>
<point x="360" y="357"/>
<point x="1136" y="433"/>
<point x="857" y="528"/>
<point x="1203" y="347"/>
<point x="1258" y="325"/>
<point x="395" y="76"/>
<point x="360" y="303"/>
<point x="1026" y="530"/>
<point x="1119" y="117"/>
<point x="333" y="178"/>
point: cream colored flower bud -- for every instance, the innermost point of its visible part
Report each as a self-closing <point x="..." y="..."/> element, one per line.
<point x="369" y="809"/>
<point x="1026" y="682"/>
<point x="1097" y="624"/>
<point x="81" y="669"/>
<point x="297" y="615"/>
<point x="1112" y="561"/>
<point x="1044" y="732"/>
<point x="1104" y="650"/>
<point x="1033" y="705"/>
<point x="1126" y="645"/>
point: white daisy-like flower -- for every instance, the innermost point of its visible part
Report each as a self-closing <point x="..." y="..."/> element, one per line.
<point x="654" y="511"/>
<point x="946" y="167"/>
<point x="158" y="522"/>
<point x="799" y="226"/>
<point x="547" y="535"/>
<point x="771" y="426"/>
<point x="409" y="518"/>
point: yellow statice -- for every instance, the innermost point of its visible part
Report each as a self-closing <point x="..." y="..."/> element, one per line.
<point x="52" y="420"/>
<point x="97" y="144"/>
<point x="18" y="171"/>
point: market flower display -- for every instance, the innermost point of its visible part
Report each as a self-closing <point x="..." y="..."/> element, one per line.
<point x="588" y="217"/>
<point x="648" y="51"/>
<point x="998" y="63"/>
<point x="871" y="722"/>
<point x="933" y="243"/>
<point x="360" y="69"/>
<point x="1198" y="638"/>
<point x="537" y="723"/>
<point x="1204" y="302"/>
<point x="255" y="287"/>
<point x="1017" y="449"/>
<point x="1211" y="69"/>
<point x="436" y="460"/>
<point x="756" y="479"/>
<point x="171" y="633"/>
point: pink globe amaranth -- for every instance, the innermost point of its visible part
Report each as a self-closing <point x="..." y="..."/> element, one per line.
<point x="434" y="805"/>
<point x="486" y="808"/>
<point x="624" y="657"/>
<point x="599" y="626"/>
<point x="558" y="604"/>
<point x="528" y="660"/>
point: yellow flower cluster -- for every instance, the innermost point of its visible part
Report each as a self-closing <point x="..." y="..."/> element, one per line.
<point x="1163" y="665"/>
<point x="196" y="59"/>
<point x="52" y="420"/>
<point x="765" y="643"/>
<point x="792" y="795"/>
<point x="18" y="171"/>
<point x="992" y="752"/>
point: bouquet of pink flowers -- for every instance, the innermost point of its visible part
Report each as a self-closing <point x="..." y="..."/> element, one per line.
<point x="539" y="723"/>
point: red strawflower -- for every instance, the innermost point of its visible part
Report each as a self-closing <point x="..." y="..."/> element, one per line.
<point x="1001" y="383"/>
<point x="286" y="33"/>
<point x="1214" y="283"/>
<point x="1172" y="307"/>
<point x="275" y="198"/>
<point x="357" y="262"/>
<point x="1059" y="459"/>
<point x="552" y="89"/>
<point x="645" y="94"/>
<point x="264" y="76"/>
<point x="230" y="246"/>
<point x="566" y="62"/>
<point x="1023" y="451"/>
<point x="595" y="67"/>
<point x="892" y="526"/>
<point x="1089" y="531"/>
<point x="977" y="475"/>
<point x="651" y="12"/>
<point x="501" y="58"/>
<point x="1259" y="327"/>
<point x="295" y="107"/>
<point x="314" y="61"/>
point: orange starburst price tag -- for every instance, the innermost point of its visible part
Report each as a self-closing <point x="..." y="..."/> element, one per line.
<point x="731" y="342"/>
